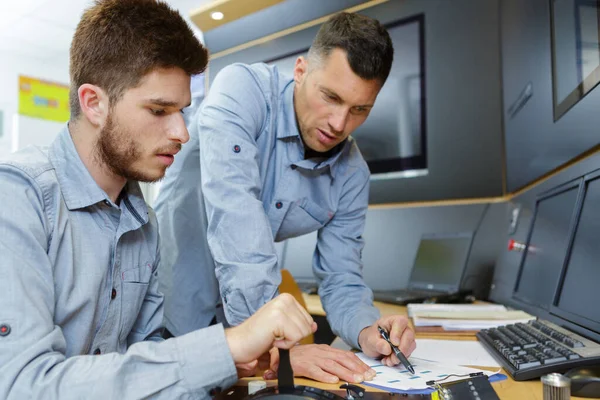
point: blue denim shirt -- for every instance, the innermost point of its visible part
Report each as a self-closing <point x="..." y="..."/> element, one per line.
<point x="79" y="298"/>
<point x="240" y="185"/>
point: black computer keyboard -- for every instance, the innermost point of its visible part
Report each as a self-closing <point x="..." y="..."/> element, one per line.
<point x="530" y="350"/>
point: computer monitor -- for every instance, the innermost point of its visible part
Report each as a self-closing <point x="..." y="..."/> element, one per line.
<point x="575" y="51"/>
<point x="440" y="261"/>
<point x="578" y="296"/>
<point x="548" y="241"/>
<point x="393" y="138"/>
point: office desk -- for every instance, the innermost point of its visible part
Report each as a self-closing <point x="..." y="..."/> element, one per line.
<point x="507" y="389"/>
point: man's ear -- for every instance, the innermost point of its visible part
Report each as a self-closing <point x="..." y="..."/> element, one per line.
<point x="300" y="70"/>
<point x="93" y="102"/>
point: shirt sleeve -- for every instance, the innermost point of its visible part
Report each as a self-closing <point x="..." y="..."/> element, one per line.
<point x="33" y="360"/>
<point x="337" y="262"/>
<point x="239" y="234"/>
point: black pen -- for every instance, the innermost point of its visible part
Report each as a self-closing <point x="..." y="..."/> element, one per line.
<point x="397" y="351"/>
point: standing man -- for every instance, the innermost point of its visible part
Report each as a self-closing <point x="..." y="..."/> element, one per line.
<point x="271" y="158"/>
<point x="80" y="311"/>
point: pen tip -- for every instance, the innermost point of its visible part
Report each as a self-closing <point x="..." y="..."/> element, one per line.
<point x="411" y="369"/>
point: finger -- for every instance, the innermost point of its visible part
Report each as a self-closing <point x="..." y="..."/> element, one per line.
<point x="295" y="331"/>
<point x="289" y="332"/>
<point x="412" y="349"/>
<point x="315" y="372"/>
<point x="391" y="360"/>
<point x="398" y="326"/>
<point x="307" y="317"/>
<point x="264" y="361"/>
<point x="269" y="374"/>
<point x="352" y="362"/>
<point x="406" y="342"/>
<point x="274" y="365"/>
<point x="247" y="369"/>
<point x="383" y="347"/>
<point x="304" y="321"/>
<point x="299" y="314"/>
<point x="334" y="367"/>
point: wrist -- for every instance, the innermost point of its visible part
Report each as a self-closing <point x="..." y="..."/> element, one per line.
<point x="362" y="337"/>
<point x="233" y="342"/>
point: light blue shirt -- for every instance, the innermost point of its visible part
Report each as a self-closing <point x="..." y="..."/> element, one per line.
<point x="240" y="185"/>
<point x="80" y="311"/>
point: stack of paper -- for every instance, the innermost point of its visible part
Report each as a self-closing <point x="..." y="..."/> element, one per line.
<point x="465" y="316"/>
<point x="454" y="352"/>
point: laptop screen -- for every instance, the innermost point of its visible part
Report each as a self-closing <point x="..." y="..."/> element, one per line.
<point x="440" y="262"/>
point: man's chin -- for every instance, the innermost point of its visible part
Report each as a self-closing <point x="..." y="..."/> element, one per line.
<point x="147" y="176"/>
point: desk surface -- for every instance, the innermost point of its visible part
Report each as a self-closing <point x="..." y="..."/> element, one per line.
<point x="507" y="389"/>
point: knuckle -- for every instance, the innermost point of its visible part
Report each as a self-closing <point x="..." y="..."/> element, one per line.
<point x="329" y="364"/>
<point x="286" y="298"/>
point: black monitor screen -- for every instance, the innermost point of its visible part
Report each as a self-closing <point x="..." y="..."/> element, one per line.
<point x="392" y="138"/>
<point x="440" y="262"/>
<point x="580" y="294"/>
<point x="545" y="254"/>
<point x="575" y="51"/>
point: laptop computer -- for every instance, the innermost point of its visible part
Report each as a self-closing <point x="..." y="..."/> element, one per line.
<point x="437" y="271"/>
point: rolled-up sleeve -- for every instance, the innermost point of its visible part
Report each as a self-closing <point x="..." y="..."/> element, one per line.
<point x="239" y="233"/>
<point x="337" y="262"/>
<point x="33" y="360"/>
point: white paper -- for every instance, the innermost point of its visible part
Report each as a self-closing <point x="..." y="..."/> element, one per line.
<point x="459" y="352"/>
<point x="399" y="378"/>
<point x="412" y="308"/>
<point x="466" y="324"/>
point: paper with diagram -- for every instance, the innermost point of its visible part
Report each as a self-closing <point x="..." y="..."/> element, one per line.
<point x="399" y="378"/>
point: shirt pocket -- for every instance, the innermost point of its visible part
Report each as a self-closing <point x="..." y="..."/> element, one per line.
<point x="303" y="216"/>
<point x="134" y="286"/>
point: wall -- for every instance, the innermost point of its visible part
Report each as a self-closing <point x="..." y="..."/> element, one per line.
<point x="535" y="144"/>
<point x="463" y="90"/>
<point x="392" y="236"/>
<point x="20" y="131"/>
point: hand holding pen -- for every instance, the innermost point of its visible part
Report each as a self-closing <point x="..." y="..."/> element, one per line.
<point x="396" y="351"/>
<point x="397" y="329"/>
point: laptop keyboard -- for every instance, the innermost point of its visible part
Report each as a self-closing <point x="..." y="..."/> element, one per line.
<point x="530" y="350"/>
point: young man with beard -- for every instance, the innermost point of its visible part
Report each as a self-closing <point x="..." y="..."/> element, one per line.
<point x="81" y="314"/>
<point x="271" y="158"/>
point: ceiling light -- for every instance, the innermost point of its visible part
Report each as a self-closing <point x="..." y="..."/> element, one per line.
<point x="217" y="15"/>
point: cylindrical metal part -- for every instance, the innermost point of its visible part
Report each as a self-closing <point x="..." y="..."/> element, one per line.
<point x="556" y="387"/>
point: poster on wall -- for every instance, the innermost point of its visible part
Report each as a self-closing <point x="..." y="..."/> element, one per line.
<point x="43" y="99"/>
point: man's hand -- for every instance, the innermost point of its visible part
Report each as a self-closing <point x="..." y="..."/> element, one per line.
<point x="323" y="363"/>
<point x="280" y="323"/>
<point x="373" y="345"/>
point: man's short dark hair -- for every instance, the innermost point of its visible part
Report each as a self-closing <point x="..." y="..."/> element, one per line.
<point x="117" y="42"/>
<point x="365" y="40"/>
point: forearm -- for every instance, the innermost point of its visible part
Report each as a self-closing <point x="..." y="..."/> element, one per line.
<point x="349" y="307"/>
<point x="193" y="363"/>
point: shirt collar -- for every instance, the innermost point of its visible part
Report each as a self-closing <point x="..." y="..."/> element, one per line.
<point x="291" y="130"/>
<point x="78" y="187"/>
<point x="289" y="113"/>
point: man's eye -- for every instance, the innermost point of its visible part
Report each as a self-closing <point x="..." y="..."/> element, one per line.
<point x="329" y="97"/>
<point x="157" y="111"/>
